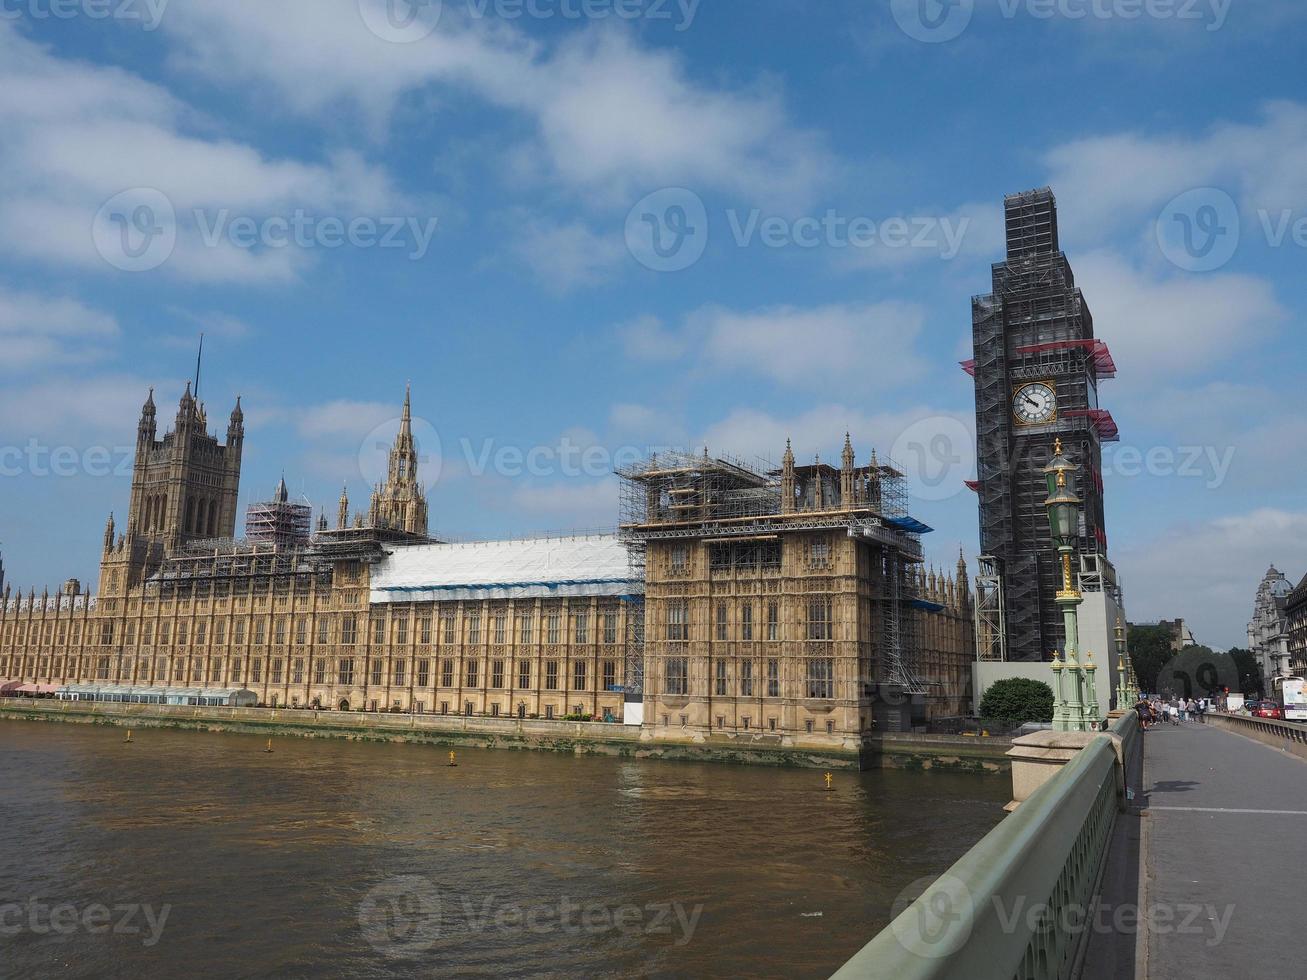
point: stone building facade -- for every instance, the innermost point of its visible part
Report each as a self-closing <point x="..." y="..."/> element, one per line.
<point x="1295" y="614"/>
<point x="1268" y="631"/>
<point x="791" y="602"/>
<point x="807" y="616"/>
<point x="306" y="627"/>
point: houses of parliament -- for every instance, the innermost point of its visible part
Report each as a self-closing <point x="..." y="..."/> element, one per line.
<point x="787" y="620"/>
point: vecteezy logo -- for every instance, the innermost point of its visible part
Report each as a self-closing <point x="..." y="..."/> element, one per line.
<point x="374" y="451"/>
<point x="939" y="924"/>
<point x="1198" y="231"/>
<point x="401" y="917"/>
<point x="933" y="21"/>
<point x="936" y="454"/>
<point x="135" y="230"/>
<point x="667" y="231"/>
<point x="401" y="21"/>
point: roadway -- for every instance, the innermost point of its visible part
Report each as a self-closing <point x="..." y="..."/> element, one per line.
<point x="1225" y="847"/>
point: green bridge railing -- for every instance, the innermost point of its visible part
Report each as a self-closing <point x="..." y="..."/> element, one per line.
<point x="1011" y="906"/>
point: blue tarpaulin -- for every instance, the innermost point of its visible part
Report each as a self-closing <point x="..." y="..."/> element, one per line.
<point x="910" y="524"/>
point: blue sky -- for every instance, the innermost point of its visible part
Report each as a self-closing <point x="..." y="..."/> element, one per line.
<point x="474" y="194"/>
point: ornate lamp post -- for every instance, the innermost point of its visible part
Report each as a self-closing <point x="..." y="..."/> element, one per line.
<point x="1064" y="521"/>
<point x="1122" y="688"/>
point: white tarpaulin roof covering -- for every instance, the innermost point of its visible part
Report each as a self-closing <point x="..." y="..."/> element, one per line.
<point x="535" y="568"/>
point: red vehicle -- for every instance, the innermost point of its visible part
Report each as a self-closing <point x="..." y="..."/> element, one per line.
<point x="1267" y="709"/>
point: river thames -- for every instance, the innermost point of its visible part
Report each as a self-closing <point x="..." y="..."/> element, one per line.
<point x="198" y="854"/>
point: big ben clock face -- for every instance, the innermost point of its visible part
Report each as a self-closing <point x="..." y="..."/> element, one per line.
<point x="1034" y="404"/>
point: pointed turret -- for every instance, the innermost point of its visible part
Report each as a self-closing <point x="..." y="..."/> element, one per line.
<point x="236" y="426"/>
<point x="281" y="494"/>
<point x="148" y="426"/>
<point x="342" y="512"/>
<point x="109" y="533"/>
<point x="787" y="479"/>
<point x="186" y="407"/>
<point x="962" y="580"/>
<point x="846" y="474"/>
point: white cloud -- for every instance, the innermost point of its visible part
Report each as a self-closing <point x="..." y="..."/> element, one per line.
<point x="872" y="344"/>
<point x="1159" y="325"/>
<point x="646" y="339"/>
<point x="77" y="135"/>
<point x="37" y="330"/>
<point x="577" y="504"/>
<point x="72" y="411"/>
<point x="821" y="429"/>
<point x="1207" y="572"/>
<point x="1117" y="180"/>
<point x="642" y="422"/>
<point x="212" y="323"/>
<point x="609" y="116"/>
<point x="564" y="257"/>
<point x="972" y="231"/>
<point x="342" y="418"/>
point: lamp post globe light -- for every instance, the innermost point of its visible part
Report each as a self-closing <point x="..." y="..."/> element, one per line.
<point x="1077" y="709"/>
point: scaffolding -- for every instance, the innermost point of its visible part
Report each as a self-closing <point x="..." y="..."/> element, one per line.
<point x="278" y="521"/>
<point x="226" y="566"/>
<point x="1034" y="326"/>
<point x="991" y="635"/>
<point x="690" y="495"/>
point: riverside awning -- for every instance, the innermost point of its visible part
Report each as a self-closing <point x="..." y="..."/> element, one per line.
<point x="207" y="696"/>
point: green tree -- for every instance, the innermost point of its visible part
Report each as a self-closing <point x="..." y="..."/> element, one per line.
<point x="1150" y="649"/>
<point x="1016" y="700"/>
<point x="1198" y="671"/>
<point x="1250" y="672"/>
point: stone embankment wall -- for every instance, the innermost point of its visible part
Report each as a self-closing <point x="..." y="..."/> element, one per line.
<point x="891" y="751"/>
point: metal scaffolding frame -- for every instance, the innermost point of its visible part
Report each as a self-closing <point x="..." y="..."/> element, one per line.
<point x="991" y="632"/>
<point x="1034" y="325"/>
<point x="689" y="495"/>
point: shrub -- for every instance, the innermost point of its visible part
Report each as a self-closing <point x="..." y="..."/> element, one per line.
<point x="1016" y="700"/>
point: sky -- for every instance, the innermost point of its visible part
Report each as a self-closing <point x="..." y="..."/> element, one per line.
<point x="584" y="229"/>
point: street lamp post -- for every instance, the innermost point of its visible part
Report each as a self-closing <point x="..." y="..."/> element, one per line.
<point x="1126" y="693"/>
<point x="1064" y="522"/>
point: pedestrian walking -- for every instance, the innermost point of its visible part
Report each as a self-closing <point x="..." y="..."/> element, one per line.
<point x="1145" y="712"/>
<point x="1182" y="708"/>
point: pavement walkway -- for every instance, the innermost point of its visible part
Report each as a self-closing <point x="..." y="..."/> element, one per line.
<point x="1225" y="852"/>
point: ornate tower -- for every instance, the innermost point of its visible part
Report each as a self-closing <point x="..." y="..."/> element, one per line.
<point x="400" y="503"/>
<point x="185" y="485"/>
<point x="1037" y="371"/>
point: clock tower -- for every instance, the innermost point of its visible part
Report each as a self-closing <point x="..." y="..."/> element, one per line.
<point x="1037" y="370"/>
